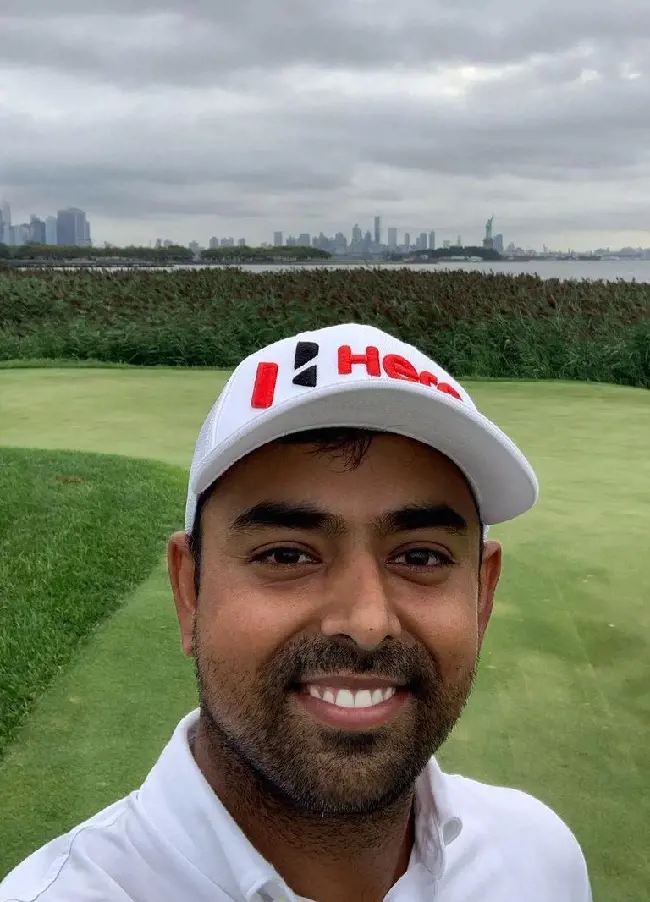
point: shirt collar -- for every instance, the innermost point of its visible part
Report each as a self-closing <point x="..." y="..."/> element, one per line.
<point x="177" y="799"/>
<point x="436" y="823"/>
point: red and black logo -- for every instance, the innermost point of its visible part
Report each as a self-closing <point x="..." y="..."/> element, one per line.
<point x="393" y="365"/>
<point x="266" y="376"/>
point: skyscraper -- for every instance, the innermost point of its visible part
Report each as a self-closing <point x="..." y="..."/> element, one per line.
<point x="6" y="214"/>
<point x="407" y="240"/>
<point x="36" y="230"/>
<point x="278" y="239"/>
<point x="432" y="241"/>
<point x="304" y="239"/>
<point x="73" y="229"/>
<point x="422" y="241"/>
<point x="51" y="230"/>
<point x="392" y="238"/>
<point x="377" y="229"/>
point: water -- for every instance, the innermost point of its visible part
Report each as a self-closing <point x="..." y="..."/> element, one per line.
<point x="605" y="270"/>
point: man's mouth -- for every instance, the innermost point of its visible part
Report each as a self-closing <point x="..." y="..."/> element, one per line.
<point x="351" y="698"/>
<point x="352" y="702"/>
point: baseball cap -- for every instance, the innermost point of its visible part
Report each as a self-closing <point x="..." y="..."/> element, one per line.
<point x="359" y="376"/>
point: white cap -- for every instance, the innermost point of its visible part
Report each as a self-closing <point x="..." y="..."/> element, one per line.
<point x="353" y="375"/>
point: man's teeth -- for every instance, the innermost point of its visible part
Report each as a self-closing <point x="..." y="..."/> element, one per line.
<point x="345" y="698"/>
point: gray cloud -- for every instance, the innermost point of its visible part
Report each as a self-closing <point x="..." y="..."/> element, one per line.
<point x="252" y="114"/>
<point x="195" y="42"/>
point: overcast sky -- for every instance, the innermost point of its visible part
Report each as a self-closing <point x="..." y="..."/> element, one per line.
<point x="192" y="118"/>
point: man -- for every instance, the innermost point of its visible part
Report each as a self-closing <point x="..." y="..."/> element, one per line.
<point x="334" y="585"/>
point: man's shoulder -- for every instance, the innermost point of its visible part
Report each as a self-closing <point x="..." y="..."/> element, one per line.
<point x="515" y="816"/>
<point x="62" y="871"/>
<point x="504" y="807"/>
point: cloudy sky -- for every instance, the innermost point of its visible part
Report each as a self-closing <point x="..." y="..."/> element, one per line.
<point x="192" y="118"/>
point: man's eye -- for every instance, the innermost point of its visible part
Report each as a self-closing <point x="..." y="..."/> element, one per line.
<point x="284" y="557"/>
<point x="422" y="557"/>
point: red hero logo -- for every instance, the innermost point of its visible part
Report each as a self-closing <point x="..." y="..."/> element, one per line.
<point x="393" y="365"/>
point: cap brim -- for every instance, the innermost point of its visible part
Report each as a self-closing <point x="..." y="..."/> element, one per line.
<point x="503" y="481"/>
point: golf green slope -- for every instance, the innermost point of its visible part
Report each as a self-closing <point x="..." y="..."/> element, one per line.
<point x="561" y="708"/>
<point x="77" y="533"/>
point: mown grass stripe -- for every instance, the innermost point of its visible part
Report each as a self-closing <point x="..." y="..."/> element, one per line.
<point x="77" y="533"/>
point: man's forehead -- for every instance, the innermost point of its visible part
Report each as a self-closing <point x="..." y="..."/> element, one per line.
<point x="292" y="459"/>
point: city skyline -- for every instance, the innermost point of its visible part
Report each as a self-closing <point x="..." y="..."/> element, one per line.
<point x="69" y="227"/>
<point x="474" y="235"/>
<point x="238" y="121"/>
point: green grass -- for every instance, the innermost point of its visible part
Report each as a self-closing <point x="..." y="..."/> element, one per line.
<point x="562" y="705"/>
<point x="77" y="533"/>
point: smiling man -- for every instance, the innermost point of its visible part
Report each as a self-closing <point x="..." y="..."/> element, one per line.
<point x="334" y="584"/>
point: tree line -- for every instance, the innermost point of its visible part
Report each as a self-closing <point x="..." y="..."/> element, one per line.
<point x="175" y="253"/>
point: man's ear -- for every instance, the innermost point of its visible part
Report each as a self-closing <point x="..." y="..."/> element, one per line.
<point x="488" y="581"/>
<point x="180" y="565"/>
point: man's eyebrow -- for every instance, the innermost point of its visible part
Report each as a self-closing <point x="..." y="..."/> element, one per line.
<point x="422" y="516"/>
<point x="274" y="514"/>
<point x="307" y="517"/>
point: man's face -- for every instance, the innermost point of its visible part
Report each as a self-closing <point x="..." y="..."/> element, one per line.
<point x="340" y="617"/>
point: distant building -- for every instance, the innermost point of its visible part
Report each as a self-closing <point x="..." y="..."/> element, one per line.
<point x="446" y="244"/>
<point x="304" y="239"/>
<point x="377" y="229"/>
<point x="392" y="238"/>
<point x="73" y="229"/>
<point x="19" y="234"/>
<point x="36" y="230"/>
<point x="357" y="234"/>
<point x="407" y="240"/>
<point x="241" y="242"/>
<point x="339" y="245"/>
<point x="213" y="243"/>
<point x="497" y="243"/>
<point x="432" y="241"/>
<point x="459" y="242"/>
<point x="278" y="239"/>
<point x="51" y="230"/>
<point x="6" y="216"/>
<point x="195" y="247"/>
<point x="421" y="243"/>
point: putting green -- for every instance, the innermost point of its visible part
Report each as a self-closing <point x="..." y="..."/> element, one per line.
<point x="561" y="708"/>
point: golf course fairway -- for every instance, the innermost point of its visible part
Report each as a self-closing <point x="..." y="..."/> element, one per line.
<point x="562" y="705"/>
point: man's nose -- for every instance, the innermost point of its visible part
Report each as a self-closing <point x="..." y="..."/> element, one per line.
<point x="359" y="605"/>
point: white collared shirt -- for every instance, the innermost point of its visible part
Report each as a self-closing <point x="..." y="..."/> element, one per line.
<point x="172" y="840"/>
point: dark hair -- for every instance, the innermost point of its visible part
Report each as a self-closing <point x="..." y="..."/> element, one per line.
<point x="351" y="443"/>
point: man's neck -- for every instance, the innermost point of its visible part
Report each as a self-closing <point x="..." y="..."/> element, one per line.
<point x="327" y="859"/>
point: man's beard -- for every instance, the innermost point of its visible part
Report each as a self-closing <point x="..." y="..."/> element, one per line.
<point x="312" y="768"/>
